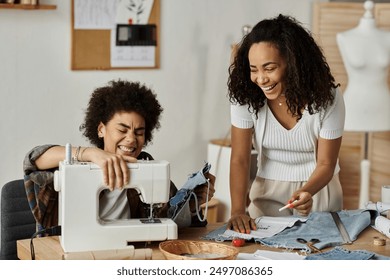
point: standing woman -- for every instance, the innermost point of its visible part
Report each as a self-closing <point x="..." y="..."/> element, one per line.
<point x="285" y="102"/>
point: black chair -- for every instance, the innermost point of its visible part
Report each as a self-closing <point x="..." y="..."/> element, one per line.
<point x="16" y="219"/>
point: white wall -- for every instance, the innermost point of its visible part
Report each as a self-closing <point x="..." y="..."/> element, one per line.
<point x="42" y="100"/>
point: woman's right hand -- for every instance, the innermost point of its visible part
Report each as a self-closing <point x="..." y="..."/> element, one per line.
<point x="114" y="167"/>
<point x="241" y="223"/>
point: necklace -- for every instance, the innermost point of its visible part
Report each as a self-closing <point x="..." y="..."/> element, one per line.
<point x="280" y="103"/>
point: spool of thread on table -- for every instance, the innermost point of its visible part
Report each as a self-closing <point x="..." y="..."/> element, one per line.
<point x="385" y="193"/>
<point x="379" y="241"/>
<point x="382" y="224"/>
<point x="385" y="197"/>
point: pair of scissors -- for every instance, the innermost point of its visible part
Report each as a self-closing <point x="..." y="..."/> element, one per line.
<point x="310" y="244"/>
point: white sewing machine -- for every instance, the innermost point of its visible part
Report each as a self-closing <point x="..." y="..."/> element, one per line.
<point x="79" y="186"/>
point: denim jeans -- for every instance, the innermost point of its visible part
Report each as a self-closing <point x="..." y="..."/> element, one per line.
<point x="319" y="225"/>
<point x="339" y="253"/>
<point x="179" y="202"/>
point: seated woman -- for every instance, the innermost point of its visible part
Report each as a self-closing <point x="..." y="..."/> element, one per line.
<point x="119" y="122"/>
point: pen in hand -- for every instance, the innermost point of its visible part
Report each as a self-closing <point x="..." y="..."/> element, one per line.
<point x="289" y="205"/>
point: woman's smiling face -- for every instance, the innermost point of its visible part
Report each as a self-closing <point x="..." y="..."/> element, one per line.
<point x="124" y="134"/>
<point x="267" y="69"/>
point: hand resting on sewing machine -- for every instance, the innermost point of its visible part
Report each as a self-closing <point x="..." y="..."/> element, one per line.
<point x="119" y="123"/>
<point x="114" y="166"/>
<point x="116" y="174"/>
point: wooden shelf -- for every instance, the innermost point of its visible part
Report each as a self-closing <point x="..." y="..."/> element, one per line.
<point x="27" y="7"/>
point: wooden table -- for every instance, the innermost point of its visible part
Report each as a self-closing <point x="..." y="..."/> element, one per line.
<point x="49" y="248"/>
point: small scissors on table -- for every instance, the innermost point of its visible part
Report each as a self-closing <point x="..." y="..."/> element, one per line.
<point x="310" y="244"/>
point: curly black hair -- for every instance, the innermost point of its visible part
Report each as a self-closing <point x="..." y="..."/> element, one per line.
<point x="308" y="78"/>
<point x="120" y="96"/>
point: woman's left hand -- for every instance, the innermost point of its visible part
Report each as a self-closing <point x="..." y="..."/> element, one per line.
<point x="303" y="203"/>
<point x="201" y="192"/>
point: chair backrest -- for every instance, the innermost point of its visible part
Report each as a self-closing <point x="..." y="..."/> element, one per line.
<point x="16" y="219"/>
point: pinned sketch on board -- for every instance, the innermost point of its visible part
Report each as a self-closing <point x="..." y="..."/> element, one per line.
<point x="134" y="45"/>
<point x="134" y="11"/>
<point x="137" y="52"/>
<point x="104" y="14"/>
<point x="94" y="14"/>
<point x="132" y="56"/>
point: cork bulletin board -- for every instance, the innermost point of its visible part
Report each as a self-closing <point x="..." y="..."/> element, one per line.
<point x="91" y="48"/>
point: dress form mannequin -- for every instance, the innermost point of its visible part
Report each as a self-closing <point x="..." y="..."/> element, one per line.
<point x="365" y="51"/>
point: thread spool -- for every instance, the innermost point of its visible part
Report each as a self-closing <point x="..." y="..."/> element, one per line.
<point x="385" y="198"/>
<point x="382" y="224"/>
<point x="379" y="241"/>
<point x="385" y="194"/>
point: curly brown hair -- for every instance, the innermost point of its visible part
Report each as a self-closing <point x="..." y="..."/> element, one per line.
<point x="120" y="96"/>
<point x="308" y="78"/>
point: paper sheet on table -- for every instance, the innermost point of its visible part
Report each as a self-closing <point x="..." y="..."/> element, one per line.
<point x="270" y="255"/>
<point x="266" y="227"/>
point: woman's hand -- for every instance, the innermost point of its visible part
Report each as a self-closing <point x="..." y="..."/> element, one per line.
<point x="201" y="192"/>
<point x="303" y="203"/>
<point x="116" y="173"/>
<point x="241" y="223"/>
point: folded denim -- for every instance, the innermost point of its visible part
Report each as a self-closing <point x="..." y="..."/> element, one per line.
<point x="339" y="253"/>
<point x="319" y="225"/>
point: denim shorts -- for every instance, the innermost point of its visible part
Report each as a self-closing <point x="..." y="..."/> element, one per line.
<point x="319" y="225"/>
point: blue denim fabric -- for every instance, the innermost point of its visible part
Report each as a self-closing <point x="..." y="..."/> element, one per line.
<point x="216" y="235"/>
<point x="339" y="253"/>
<point x="183" y="195"/>
<point x="319" y="225"/>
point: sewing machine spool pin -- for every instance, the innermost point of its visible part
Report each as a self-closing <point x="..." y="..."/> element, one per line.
<point x="68" y="153"/>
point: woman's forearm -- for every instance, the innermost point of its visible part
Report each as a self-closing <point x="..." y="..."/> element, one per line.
<point x="239" y="180"/>
<point x="239" y="168"/>
<point x="328" y="151"/>
<point x="319" y="178"/>
<point x="52" y="157"/>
